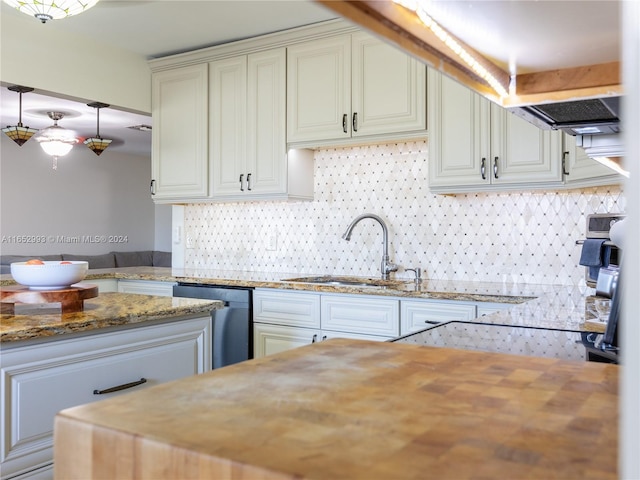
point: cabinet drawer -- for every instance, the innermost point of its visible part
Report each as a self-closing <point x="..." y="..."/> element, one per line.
<point x="40" y="380"/>
<point x="418" y="315"/>
<point x="286" y="308"/>
<point x="372" y="316"/>
<point x="162" y="289"/>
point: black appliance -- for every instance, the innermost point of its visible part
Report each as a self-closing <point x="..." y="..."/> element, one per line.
<point x="232" y="325"/>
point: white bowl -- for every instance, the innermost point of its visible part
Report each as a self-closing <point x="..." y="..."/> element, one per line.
<point x="52" y="275"/>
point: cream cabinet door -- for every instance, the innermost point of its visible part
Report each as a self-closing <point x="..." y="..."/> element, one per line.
<point x="459" y="121"/>
<point x="228" y="107"/>
<point x="269" y="339"/>
<point x="581" y="170"/>
<point x="248" y="125"/>
<point x="319" y="90"/>
<point x="180" y="162"/>
<point x="266" y="165"/>
<point x="522" y="153"/>
<point x="417" y="315"/>
<point x="388" y="89"/>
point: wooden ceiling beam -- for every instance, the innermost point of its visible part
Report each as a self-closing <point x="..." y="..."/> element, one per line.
<point x="404" y="29"/>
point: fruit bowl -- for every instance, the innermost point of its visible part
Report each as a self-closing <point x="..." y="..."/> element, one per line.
<point x="49" y="275"/>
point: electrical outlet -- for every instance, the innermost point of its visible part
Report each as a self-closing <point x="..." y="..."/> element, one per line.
<point x="190" y="242"/>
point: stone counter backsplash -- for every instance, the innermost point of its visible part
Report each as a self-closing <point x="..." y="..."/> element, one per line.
<point x="512" y="237"/>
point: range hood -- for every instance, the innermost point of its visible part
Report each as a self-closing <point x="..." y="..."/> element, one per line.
<point x="595" y="123"/>
<point x="594" y="116"/>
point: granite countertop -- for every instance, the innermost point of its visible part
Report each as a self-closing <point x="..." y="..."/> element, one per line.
<point x="356" y="409"/>
<point x="543" y="306"/>
<point x="106" y="310"/>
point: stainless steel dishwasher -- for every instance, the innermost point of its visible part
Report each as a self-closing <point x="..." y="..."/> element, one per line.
<point x="232" y="325"/>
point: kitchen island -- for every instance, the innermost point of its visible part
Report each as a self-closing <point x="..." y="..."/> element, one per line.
<point x="118" y="343"/>
<point x="356" y="409"/>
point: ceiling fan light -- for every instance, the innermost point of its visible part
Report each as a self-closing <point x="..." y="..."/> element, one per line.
<point x="56" y="148"/>
<point x="55" y="140"/>
<point x="97" y="144"/>
<point x="19" y="133"/>
<point x="45" y="10"/>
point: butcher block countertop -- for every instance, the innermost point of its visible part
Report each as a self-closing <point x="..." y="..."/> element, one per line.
<point x="359" y="410"/>
<point x="106" y="310"/>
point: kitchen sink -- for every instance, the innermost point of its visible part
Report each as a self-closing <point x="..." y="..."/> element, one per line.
<point x="339" y="281"/>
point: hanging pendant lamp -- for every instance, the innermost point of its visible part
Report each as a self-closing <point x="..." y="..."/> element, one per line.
<point x="55" y="140"/>
<point x="97" y="144"/>
<point x="19" y="133"/>
<point x="45" y="10"/>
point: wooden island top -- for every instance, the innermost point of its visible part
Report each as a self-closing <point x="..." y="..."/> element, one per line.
<point x="356" y="409"/>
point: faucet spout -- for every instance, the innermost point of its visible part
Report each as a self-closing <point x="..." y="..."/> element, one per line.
<point x="386" y="266"/>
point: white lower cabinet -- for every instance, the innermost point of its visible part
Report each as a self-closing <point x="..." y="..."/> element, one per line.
<point x="105" y="285"/>
<point x="38" y="380"/>
<point x="146" y="287"/>
<point x="420" y="314"/>
<point x="284" y="319"/>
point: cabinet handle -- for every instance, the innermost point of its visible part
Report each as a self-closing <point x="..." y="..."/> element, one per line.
<point x="241" y="179"/>
<point x="432" y="322"/>
<point x="315" y="337"/>
<point x="324" y="337"/>
<point x="120" y="387"/>
<point x="483" y="168"/>
<point x="248" y="181"/>
<point x="564" y="163"/>
<point x="354" y="122"/>
<point x="152" y="187"/>
<point x="344" y="123"/>
<point x="495" y="167"/>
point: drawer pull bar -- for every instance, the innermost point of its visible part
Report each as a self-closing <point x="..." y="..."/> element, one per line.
<point x="124" y="386"/>
<point x="433" y="322"/>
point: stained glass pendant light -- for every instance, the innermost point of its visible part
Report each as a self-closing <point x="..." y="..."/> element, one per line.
<point x="55" y="140"/>
<point x="45" y="10"/>
<point x="97" y="143"/>
<point x="19" y="133"/>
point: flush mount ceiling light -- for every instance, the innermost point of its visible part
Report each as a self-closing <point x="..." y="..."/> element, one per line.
<point x="19" y="133"/>
<point x="97" y="143"/>
<point x="45" y="10"/>
<point x="55" y="140"/>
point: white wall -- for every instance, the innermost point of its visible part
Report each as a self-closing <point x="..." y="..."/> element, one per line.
<point x="55" y="61"/>
<point x="89" y="195"/>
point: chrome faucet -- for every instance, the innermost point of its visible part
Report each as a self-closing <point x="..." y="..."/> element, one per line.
<point x="386" y="266"/>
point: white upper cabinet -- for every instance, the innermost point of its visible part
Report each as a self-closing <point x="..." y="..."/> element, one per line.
<point x="248" y="131"/>
<point x="180" y="161"/>
<point x="474" y="144"/>
<point x="353" y="87"/>
<point x="581" y="170"/>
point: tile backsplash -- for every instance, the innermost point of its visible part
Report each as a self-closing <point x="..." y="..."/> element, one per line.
<point x="511" y="236"/>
